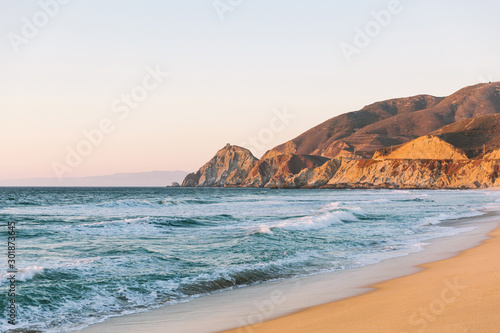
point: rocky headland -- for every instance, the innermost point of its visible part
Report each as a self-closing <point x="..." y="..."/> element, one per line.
<point x="420" y="142"/>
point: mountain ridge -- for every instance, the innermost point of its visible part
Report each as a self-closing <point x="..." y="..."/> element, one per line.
<point x="421" y="141"/>
<point x="392" y="122"/>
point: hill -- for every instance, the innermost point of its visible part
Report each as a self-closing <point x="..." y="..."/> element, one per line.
<point x="477" y="136"/>
<point x="392" y="122"/>
<point x="415" y="142"/>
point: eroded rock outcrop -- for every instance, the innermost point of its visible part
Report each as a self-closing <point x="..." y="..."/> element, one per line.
<point x="229" y="167"/>
<point x="283" y="170"/>
<point x="494" y="155"/>
<point x="425" y="174"/>
<point x="427" y="147"/>
<point x="303" y="171"/>
<point x="286" y="148"/>
<point x="191" y="180"/>
<point x="320" y="176"/>
<point x="235" y="166"/>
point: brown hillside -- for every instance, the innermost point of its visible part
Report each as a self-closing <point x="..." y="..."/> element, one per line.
<point x="324" y="139"/>
<point x="475" y="136"/>
<point x="392" y="122"/>
<point x="274" y="171"/>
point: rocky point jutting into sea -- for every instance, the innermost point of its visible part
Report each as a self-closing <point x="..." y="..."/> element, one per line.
<point x="416" y="142"/>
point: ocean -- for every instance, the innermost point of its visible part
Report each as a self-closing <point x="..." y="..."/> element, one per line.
<point x="87" y="254"/>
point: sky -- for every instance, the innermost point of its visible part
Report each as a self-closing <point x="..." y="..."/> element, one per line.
<point x="93" y="87"/>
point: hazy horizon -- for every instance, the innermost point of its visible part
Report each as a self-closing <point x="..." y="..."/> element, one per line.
<point x="92" y="88"/>
<point x="139" y="179"/>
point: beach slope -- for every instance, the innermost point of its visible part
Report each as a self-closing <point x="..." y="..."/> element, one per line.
<point x="459" y="294"/>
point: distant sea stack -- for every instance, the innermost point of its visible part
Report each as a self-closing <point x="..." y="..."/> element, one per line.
<point x="414" y="142"/>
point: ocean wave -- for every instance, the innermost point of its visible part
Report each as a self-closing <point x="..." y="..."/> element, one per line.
<point x="344" y="206"/>
<point x="378" y="201"/>
<point x="358" y="211"/>
<point x="120" y="221"/>
<point x="151" y="202"/>
<point x="264" y="230"/>
<point x="72" y="313"/>
<point x="331" y="206"/>
<point x="130" y="203"/>
<point x="317" y="222"/>
<point x="243" y="275"/>
<point x="24" y="274"/>
<point x="159" y="205"/>
<point x="28" y="203"/>
<point x="365" y="202"/>
<point x="158" y="222"/>
<point x="413" y="200"/>
<point x="127" y="226"/>
<point x="491" y="207"/>
<point x="433" y="220"/>
<point x="197" y="201"/>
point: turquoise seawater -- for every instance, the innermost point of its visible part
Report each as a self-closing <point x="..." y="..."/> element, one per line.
<point x="86" y="254"/>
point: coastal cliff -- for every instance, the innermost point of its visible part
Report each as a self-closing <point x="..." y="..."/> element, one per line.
<point x="417" y="142"/>
<point x="417" y="174"/>
<point x="363" y="173"/>
<point x="229" y="167"/>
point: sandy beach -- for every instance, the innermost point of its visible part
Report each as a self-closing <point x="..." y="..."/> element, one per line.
<point x="439" y="289"/>
<point x="460" y="294"/>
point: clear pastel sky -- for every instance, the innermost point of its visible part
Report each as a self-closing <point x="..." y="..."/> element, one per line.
<point x="231" y="64"/>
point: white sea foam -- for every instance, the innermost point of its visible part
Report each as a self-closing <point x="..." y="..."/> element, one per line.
<point x="265" y="229"/>
<point x="491" y="207"/>
<point x="229" y="272"/>
<point x="358" y="211"/>
<point x="124" y="203"/>
<point x="129" y="226"/>
<point x="24" y="274"/>
<point x="317" y="222"/>
<point x="331" y="206"/>
<point x="428" y="221"/>
<point x="105" y="208"/>
<point x="119" y="221"/>
<point x="378" y="201"/>
<point x="329" y="214"/>
<point x="340" y="206"/>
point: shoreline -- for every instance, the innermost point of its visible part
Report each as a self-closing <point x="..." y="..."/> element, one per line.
<point x="273" y="301"/>
<point x="456" y="294"/>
